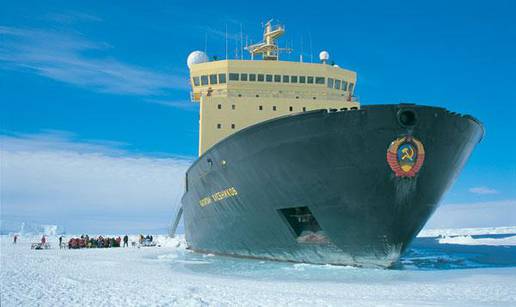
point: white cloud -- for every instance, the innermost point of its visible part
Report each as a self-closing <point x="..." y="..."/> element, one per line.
<point x="478" y="214"/>
<point x="73" y="59"/>
<point x="482" y="190"/>
<point x="87" y="186"/>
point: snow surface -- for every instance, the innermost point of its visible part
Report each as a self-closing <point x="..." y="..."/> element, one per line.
<point x="172" y="275"/>
<point x="467" y="231"/>
<point x="469" y="240"/>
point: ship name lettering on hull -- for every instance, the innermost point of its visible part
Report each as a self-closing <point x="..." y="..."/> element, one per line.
<point x="217" y="196"/>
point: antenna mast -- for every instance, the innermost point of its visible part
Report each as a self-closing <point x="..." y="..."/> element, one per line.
<point x="268" y="47"/>
<point x="241" y="43"/>
<point x="226" y="41"/>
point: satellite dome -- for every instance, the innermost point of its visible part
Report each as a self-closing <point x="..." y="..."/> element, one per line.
<point x="196" y="57"/>
<point x="324" y="56"/>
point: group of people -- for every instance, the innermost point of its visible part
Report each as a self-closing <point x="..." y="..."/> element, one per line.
<point x="147" y="238"/>
<point x="99" y="242"/>
<point x="84" y="241"/>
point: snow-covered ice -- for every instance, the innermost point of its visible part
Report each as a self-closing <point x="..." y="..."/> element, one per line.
<point x="431" y="273"/>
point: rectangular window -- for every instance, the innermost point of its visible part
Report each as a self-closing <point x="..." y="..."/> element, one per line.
<point x="274" y="108"/>
<point x="233" y="107"/>
<point x="222" y="78"/>
<point x="219" y="126"/>
<point x="196" y="81"/>
<point x="304" y="109"/>
<point x="277" y="78"/>
<point x="204" y="80"/>
<point x="310" y="80"/>
<point x="286" y="79"/>
<point x="337" y="84"/>
<point x="344" y="85"/>
<point x="303" y="224"/>
<point x="268" y="78"/>
<point x="302" y="79"/>
<point x="252" y="77"/>
<point x="243" y="77"/>
<point x="233" y="77"/>
<point x="319" y="80"/>
<point x="351" y="85"/>
<point x="330" y="83"/>
<point x="260" y="108"/>
<point x="219" y="106"/>
<point x="232" y="126"/>
<point x="293" y="79"/>
<point x="261" y="77"/>
<point x="213" y="79"/>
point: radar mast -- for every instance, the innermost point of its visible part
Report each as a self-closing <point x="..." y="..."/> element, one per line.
<point x="268" y="47"/>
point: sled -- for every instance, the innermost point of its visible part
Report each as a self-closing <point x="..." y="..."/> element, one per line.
<point x="40" y="246"/>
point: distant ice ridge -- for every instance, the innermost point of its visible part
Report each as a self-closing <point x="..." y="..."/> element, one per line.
<point x="24" y="228"/>
<point x="466" y="231"/>
<point x="468" y="240"/>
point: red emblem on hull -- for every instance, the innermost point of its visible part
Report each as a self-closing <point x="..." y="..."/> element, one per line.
<point x="405" y="156"/>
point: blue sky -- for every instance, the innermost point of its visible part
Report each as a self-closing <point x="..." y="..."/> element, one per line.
<point x="109" y="80"/>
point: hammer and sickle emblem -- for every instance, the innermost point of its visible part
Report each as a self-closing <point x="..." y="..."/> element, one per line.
<point x="407" y="153"/>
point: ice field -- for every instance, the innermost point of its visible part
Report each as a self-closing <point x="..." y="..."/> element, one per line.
<point x="475" y="267"/>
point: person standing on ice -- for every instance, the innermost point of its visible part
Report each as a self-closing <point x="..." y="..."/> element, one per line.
<point x="60" y="242"/>
<point x="126" y="241"/>
<point x="15" y="239"/>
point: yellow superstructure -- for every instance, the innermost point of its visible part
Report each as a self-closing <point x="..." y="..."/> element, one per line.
<point x="235" y="94"/>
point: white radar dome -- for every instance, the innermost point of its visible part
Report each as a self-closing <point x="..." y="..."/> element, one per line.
<point x="324" y="56"/>
<point x="196" y="57"/>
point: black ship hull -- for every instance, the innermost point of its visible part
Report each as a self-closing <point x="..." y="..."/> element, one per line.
<point x="326" y="186"/>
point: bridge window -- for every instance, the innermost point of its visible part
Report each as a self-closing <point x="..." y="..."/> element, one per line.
<point x="233" y="106"/>
<point x="260" y="77"/>
<point x="293" y="79"/>
<point x="290" y="109"/>
<point x="319" y="80"/>
<point x="286" y="79"/>
<point x="337" y="84"/>
<point x="302" y="79"/>
<point x="351" y="85"/>
<point x="219" y="126"/>
<point x="219" y="106"/>
<point x="330" y="83"/>
<point x="196" y="81"/>
<point x="233" y="77"/>
<point x="310" y="80"/>
<point x="274" y="108"/>
<point x="252" y="77"/>
<point x="222" y="78"/>
<point x="268" y="78"/>
<point x="277" y="78"/>
<point x="204" y="80"/>
<point x="304" y="109"/>
<point x="213" y="79"/>
<point x="243" y="77"/>
<point x="344" y="85"/>
<point x="260" y="108"/>
<point x="232" y="126"/>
